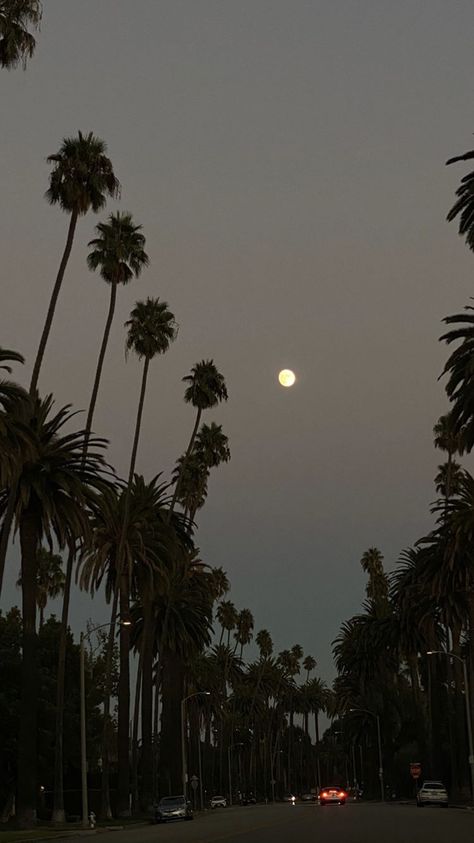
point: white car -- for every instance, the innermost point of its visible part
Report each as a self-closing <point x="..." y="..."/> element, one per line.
<point x="218" y="802"/>
<point x="432" y="793"/>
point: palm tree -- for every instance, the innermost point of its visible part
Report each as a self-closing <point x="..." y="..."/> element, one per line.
<point x="55" y="491"/>
<point x="212" y="445"/>
<point x="227" y="616"/>
<point x="309" y="664"/>
<point x="243" y="634"/>
<point x="206" y="389"/>
<point x="17" y="44"/>
<point x="377" y="586"/>
<point x="193" y="478"/>
<point x="119" y="255"/>
<point x="264" y="643"/>
<point x="151" y="330"/>
<point x="82" y="178"/>
<point x="49" y="579"/>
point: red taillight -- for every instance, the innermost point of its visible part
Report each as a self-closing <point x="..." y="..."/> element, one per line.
<point x="342" y="794"/>
<point x="325" y="794"/>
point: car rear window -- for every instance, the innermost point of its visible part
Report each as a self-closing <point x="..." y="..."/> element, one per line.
<point x="172" y="800"/>
<point x="434" y="786"/>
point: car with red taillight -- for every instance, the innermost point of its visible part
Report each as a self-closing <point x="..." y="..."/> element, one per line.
<point x="332" y="796"/>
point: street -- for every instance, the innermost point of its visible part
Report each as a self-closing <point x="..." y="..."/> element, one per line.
<point x="361" y="823"/>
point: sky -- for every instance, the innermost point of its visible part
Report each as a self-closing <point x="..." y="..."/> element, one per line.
<point x="286" y="161"/>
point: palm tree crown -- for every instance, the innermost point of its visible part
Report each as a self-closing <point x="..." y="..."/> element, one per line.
<point x="118" y="251"/>
<point x="151" y="328"/>
<point x="17" y="17"/>
<point x="206" y="386"/>
<point x="82" y="176"/>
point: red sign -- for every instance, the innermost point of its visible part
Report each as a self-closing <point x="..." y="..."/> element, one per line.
<point x="415" y="769"/>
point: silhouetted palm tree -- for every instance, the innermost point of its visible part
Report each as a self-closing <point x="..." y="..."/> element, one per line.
<point x="151" y="330"/>
<point x="119" y="255"/>
<point x="17" y="18"/>
<point x="206" y="389"/>
<point x="82" y="178"/>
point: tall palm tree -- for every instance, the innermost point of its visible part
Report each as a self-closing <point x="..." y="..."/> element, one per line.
<point x="151" y="330"/>
<point x="17" y="18"/>
<point x="55" y="491"/>
<point x="206" y="388"/>
<point x="81" y="179"/>
<point x="264" y="643"/>
<point x="119" y="254"/>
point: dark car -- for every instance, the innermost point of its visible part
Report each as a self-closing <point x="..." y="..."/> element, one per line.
<point x="172" y="808"/>
<point x="332" y="795"/>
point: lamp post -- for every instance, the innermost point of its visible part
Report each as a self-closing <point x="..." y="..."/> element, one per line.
<point x="183" y="735"/>
<point x="229" y="748"/>
<point x="468" y="708"/>
<point x="85" y="800"/>
<point x="379" y="742"/>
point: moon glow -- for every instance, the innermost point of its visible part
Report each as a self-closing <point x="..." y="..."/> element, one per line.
<point x="286" y="377"/>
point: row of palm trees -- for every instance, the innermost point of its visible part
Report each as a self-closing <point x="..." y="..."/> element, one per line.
<point x="56" y="485"/>
<point x="426" y="604"/>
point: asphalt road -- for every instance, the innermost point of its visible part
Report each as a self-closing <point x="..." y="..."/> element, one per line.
<point x="361" y="823"/>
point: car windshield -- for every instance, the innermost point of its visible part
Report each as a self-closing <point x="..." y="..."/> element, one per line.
<point x="169" y="801"/>
<point x="434" y="785"/>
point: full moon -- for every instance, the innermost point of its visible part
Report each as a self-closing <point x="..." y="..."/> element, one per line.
<point x="286" y="377"/>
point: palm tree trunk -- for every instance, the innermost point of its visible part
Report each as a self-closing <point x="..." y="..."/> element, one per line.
<point x="105" y="809"/>
<point x="136" y="718"/>
<point x="147" y="705"/>
<point x="100" y="364"/>
<point x="170" y="743"/>
<point x="27" y="740"/>
<point x="59" y="815"/>
<point x="53" y="301"/>
<point x="123" y="797"/>
<point x="184" y="463"/>
<point x="123" y="790"/>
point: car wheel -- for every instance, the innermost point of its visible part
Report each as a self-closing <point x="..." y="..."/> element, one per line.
<point x="322" y="803"/>
<point x="420" y="805"/>
<point x="343" y="802"/>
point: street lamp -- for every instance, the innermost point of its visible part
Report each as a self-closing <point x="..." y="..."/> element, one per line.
<point x="232" y="745"/>
<point x="468" y="708"/>
<point x="183" y="735"/>
<point x="85" y="801"/>
<point x="379" y="741"/>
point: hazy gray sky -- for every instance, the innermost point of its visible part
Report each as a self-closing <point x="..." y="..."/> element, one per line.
<point x="286" y="159"/>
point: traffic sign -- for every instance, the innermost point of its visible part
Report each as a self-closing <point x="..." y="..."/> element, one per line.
<point x="194" y="782"/>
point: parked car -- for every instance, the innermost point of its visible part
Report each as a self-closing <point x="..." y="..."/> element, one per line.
<point x="248" y="799"/>
<point x="218" y="802"/>
<point x="332" y="795"/>
<point x="308" y="797"/>
<point x="172" y="808"/>
<point x="432" y="793"/>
